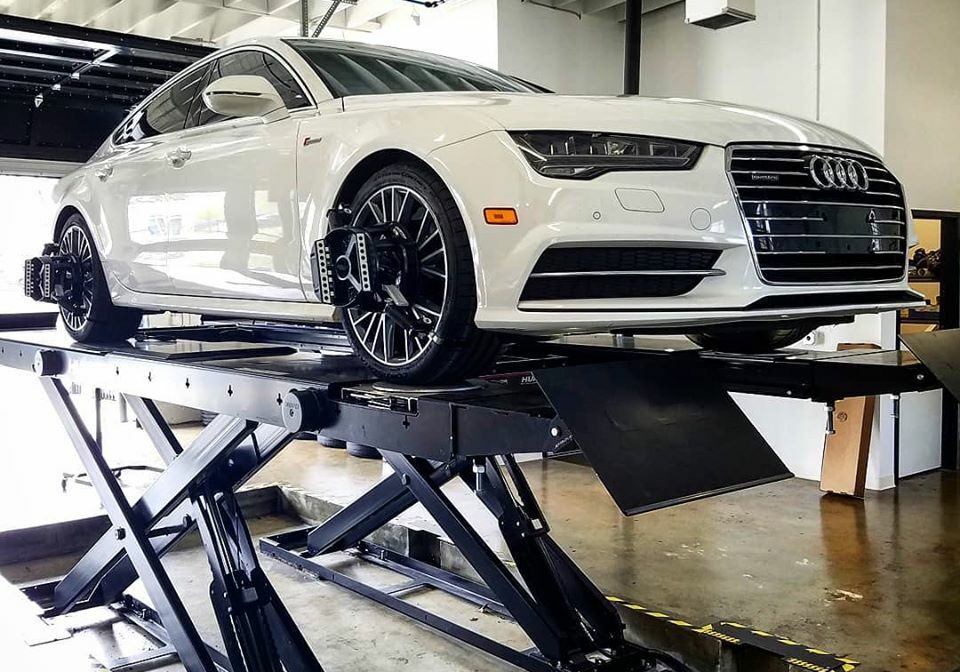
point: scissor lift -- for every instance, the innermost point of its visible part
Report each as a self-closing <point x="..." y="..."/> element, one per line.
<point x="657" y="425"/>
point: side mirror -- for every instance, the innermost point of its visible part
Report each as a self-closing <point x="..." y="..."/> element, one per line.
<point x="245" y="96"/>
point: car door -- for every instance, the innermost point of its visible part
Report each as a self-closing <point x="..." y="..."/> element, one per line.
<point x="130" y="186"/>
<point x="233" y="214"/>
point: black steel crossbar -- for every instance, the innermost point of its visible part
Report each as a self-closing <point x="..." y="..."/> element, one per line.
<point x="256" y="383"/>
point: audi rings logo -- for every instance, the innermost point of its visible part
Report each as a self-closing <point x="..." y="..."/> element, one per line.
<point x="837" y="172"/>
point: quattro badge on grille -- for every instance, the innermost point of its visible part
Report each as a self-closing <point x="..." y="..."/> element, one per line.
<point x="839" y="173"/>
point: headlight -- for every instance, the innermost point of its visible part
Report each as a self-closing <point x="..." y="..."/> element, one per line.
<point x="581" y="155"/>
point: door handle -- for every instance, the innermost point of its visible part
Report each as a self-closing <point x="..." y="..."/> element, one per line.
<point x="103" y="174"/>
<point x="178" y="157"/>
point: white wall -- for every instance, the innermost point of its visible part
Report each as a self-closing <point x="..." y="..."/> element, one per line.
<point x="923" y="100"/>
<point x="560" y="51"/>
<point x="769" y="63"/>
<point x="815" y="59"/>
<point x="852" y="68"/>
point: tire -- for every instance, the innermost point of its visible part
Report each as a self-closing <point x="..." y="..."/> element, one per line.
<point x="92" y="318"/>
<point x="750" y="341"/>
<point x="455" y="348"/>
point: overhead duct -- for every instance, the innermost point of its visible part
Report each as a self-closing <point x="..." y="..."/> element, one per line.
<point x="715" y="14"/>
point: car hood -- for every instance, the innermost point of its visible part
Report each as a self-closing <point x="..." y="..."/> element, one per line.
<point x="702" y="121"/>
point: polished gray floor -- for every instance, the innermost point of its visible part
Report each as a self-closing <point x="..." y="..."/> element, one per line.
<point x="872" y="579"/>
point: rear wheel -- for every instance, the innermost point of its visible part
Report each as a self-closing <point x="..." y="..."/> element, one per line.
<point x="86" y="309"/>
<point x="420" y="329"/>
<point x="750" y="341"/>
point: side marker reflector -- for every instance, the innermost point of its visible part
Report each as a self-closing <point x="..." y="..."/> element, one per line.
<point x="500" y="216"/>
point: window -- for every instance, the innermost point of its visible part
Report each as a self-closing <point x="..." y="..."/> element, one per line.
<point x="357" y="71"/>
<point x="166" y="113"/>
<point x="251" y="63"/>
<point x="29" y="212"/>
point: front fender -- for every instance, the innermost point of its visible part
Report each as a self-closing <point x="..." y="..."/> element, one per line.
<point x="331" y="146"/>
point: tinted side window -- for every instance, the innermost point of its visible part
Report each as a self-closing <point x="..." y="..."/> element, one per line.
<point x="166" y="113"/>
<point x="254" y="63"/>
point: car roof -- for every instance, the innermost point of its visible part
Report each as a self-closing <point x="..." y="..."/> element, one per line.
<point x="355" y="47"/>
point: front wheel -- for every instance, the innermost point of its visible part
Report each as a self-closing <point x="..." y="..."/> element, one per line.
<point x="750" y="340"/>
<point x="420" y="328"/>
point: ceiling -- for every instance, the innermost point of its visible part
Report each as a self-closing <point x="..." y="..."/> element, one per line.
<point x="225" y="21"/>
<point x="64" y="88"/>
<point x="212" y="21"/>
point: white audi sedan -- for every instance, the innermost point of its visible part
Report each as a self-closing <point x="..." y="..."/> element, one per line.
<point x="433" y="206"/>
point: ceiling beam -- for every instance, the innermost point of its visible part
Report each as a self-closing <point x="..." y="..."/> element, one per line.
<point x="254" y="7"/>
<point x="234" y="15"/>
<point x="257" y="6"/>
<point x="369" y="10"/>
<point x="208" y="20"/>
<point x="597" y="6"/>
<point x="217" y="26"/>
<point x="173" y="20"/>
<point x="78" y="13"/>
<point x="124" y="15"/>
<point x="260" y="25"/>
<point x="31" y="9"/>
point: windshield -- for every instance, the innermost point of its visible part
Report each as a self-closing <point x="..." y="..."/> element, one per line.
<point x="353" y="70"/>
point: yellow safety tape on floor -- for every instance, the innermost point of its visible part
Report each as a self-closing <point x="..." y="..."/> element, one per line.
<point x="737" y="634"/>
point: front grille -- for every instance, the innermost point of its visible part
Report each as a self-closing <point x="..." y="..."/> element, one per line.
<point x="570" y="273"/>
<point x="804" y="234"/>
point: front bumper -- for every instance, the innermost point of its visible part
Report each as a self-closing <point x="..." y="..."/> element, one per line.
<point x="551" y="318"/>
<point x="690" y="209"/>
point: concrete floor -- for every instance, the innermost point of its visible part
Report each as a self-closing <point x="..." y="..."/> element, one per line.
<point x="870" y="579"/>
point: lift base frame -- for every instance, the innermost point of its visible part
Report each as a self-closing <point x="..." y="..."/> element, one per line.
<point x="246" y="372"/>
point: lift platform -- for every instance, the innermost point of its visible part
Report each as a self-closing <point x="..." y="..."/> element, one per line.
<point x="656" y="423"/>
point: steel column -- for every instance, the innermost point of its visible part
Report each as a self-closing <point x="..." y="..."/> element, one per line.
<point x="950" y="319"/>
<point x="631" y="47"/>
